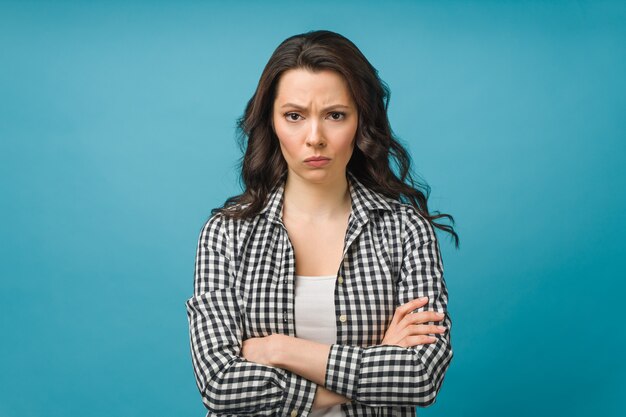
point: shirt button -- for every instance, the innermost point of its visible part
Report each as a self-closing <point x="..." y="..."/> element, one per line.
<point x="294" y="413"/>
<point x="343" y="318"/>
<point x="340" y="279"/>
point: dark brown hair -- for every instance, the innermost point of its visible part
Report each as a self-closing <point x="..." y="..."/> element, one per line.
<point x="376" y="148"/>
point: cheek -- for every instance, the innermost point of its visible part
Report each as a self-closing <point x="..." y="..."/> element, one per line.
<point x="282" y="136"/>
<point x="289" y="137"/>
<point x="349" y="140"/>
<point x="287" y="146"/>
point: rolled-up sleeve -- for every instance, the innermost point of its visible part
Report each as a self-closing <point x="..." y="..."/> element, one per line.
<point x="388" y="375"/>
<point x="227" y="382"/>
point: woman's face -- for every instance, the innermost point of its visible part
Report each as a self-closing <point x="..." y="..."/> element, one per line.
<point x="314" y="115"/>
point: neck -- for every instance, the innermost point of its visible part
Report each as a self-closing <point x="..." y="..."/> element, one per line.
<point x="315" y="201"/>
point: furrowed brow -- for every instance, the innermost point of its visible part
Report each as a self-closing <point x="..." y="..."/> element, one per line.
<point x="331" y="107"/>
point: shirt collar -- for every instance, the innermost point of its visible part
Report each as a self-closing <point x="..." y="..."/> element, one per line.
<point x="363" y="200"/>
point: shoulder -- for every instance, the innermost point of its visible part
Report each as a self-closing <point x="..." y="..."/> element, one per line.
<point x="400" y="215"/>
<point x="397" y="210"/>
<point x="213" y="232"/>
<point x="222" y="228"/>
<point x="414" y="226"/>
<point x="222" y="219"/>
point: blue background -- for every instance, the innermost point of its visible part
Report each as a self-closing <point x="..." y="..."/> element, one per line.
<point x="117" y="138"/>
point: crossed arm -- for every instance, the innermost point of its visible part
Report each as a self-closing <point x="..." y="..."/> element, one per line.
<point x="306" y="374"/>
<point x="303" y="357"/>
<point x="310" y="359"/>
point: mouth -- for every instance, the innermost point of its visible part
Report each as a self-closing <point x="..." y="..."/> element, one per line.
<point x="316" y="158"/>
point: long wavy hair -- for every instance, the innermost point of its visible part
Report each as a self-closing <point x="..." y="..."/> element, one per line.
<point x="376" y="149"/>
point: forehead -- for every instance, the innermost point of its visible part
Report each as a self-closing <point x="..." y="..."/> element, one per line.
<point x="304" y="86"/>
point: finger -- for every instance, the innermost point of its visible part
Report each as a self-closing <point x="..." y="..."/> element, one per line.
<point x="416" y="303"/>
<point x="417" y="329"/>
<point x="418" y="340"/>
<point x="425" y="317"/>
<point x="404" y="309"/>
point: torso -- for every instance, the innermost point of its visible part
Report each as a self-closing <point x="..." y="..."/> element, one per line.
<point x="318" y="246"/>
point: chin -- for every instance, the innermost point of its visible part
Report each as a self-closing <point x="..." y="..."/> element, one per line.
<point x="317" y="175"/>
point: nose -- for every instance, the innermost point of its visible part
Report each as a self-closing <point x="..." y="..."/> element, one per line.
<point x="315" y="137"/>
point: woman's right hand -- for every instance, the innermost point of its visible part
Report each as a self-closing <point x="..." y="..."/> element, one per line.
<point x="406" y="329"/>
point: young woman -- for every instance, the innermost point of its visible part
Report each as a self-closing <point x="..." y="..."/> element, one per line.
<point x="319" y="291"/>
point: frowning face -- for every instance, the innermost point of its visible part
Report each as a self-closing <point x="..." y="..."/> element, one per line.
<point x="314" y="115"/>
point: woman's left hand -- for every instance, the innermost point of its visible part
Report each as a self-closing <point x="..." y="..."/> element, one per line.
<point x="261" y="350"/>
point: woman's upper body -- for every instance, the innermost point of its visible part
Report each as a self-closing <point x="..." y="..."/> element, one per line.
<point x="244" y="287"/>
<point x="320" y="199"/>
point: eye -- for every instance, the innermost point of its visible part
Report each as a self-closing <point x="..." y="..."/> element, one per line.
<point x="337" y="115"/>
<point x="292" y="117"/>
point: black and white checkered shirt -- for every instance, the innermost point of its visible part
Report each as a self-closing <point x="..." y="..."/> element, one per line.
<point x="244" y="287"/>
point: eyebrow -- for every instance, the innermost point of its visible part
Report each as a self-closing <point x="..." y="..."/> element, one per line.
<point x="334" y="106"/>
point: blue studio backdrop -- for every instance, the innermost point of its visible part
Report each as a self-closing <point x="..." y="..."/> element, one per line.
<point x="117" y="138"/>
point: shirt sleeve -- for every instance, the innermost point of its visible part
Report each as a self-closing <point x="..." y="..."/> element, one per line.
<point x="393" y="375"/>
<point x="227" y="382"/>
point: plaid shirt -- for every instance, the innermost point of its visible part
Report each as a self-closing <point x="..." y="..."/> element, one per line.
<point x="244" y="287"/>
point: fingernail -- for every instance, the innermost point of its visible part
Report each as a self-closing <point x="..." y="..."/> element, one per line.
<point x="443" y="329"/>
<point x="440" y="314"/>
<point x="423" y="298"/>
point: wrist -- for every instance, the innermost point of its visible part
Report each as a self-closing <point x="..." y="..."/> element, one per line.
<point x="300" y="356"/>
<point x="278" y="346"/>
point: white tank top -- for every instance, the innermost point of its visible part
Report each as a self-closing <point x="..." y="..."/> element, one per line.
<point x="315" y="319"/>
